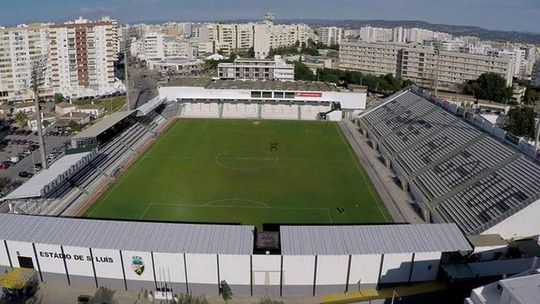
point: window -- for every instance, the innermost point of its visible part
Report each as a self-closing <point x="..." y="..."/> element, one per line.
<point x="289" y="95"/>
<point x="255" y="94"/>
<point x="267" y="94"/>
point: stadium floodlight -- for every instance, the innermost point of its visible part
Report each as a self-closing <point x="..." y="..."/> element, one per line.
<point x="37" y="79"/>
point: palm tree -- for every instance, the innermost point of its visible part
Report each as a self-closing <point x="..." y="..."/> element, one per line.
<point x="21" y="118"/>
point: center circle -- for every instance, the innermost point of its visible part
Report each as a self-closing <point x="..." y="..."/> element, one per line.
<point x="247" y="159"/>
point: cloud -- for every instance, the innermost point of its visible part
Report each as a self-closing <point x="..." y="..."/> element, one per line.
<point x="97" y="10"/>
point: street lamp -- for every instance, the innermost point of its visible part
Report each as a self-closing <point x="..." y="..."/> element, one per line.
<point x="37" y="79"/>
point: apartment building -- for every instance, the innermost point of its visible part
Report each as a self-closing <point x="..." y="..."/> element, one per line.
<point x="330" y="35"/>
<point x="422" y="64"/>
<point x="371" y="58"/>
<point x="82" y="56"/>
<point x="78" y="58"/>
<point x="535" y="79"/>
<point x="257" y="69"/>
<point x="270" y="36"/>
<point x="213" y="37"/>
<point x="19" y="47"/>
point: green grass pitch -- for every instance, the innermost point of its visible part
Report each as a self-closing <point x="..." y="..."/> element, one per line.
<point x="226" y="171"/>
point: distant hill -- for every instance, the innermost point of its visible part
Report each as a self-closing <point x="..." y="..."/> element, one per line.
<point x="456" y="30"/>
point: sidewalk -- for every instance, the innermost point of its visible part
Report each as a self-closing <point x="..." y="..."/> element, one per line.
<point x="59" y="294"/>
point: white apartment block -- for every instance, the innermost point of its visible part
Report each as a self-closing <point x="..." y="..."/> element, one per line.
<point x="82" y="55"/>
<point x="398" y="34"/>
<point x="153" y="46"/>
<point x="257" y="69"/>
<point x="19" y="47"/>
<point x="374" y="34"/>
<point x="213" y="37"/>
<point x="79" y="58"/>
<point x="330" y="35"/>
<point x="421" y="64"/>
<point x="270" y="36"/>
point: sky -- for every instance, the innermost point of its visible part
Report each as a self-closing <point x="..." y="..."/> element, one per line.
<point x="518" y="15"/>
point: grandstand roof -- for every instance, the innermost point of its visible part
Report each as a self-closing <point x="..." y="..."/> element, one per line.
<point x="253" y="84"/>
<point x="453" y="167"/>
<point x="124" y="235"/>
<point x="372" y="239"/>
<point x="272" y="85"/>
<point x="103" y="125"/>
<point x="34" y="186"/>
<point x="153" y="103"/>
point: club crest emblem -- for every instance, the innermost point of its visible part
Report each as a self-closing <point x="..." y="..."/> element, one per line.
<point x="137" y="264"/>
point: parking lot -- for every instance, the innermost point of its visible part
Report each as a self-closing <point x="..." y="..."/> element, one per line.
<point x="20" y="153"/>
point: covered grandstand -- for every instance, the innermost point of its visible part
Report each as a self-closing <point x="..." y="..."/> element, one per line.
<point x="292" y="100"/>
<point x="97" y="154"/>
<point x="458" y="167"/>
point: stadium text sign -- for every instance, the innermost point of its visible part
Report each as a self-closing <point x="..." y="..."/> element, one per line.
<point x="308" y="94"/>
<point x="76" y="257"/>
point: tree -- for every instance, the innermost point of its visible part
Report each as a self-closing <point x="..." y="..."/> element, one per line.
<point x="531" y="96"/>
<point x="521" y="122"/>
<point x="58" y="97"/>
<point x="46" y="123"/>
<point x="21" y="118"/>
<point x="302" y="72"/>
<point x="225" y="291"/>
<point x="490" y="86"/>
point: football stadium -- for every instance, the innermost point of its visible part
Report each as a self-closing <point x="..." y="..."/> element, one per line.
<point x="276" y="188"/>
<point x="248" y="172"/>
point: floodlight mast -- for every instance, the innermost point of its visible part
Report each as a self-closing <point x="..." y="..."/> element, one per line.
<point x="37" y="79"/>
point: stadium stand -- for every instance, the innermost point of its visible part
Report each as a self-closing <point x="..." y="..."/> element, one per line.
<point x="247" y="99"/>
<point x="454" y="170"/>
<point x="112" y="154"/>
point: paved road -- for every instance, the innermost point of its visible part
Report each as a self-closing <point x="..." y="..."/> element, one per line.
<point x="396" y="200"/>
<point x="141" y="89"/>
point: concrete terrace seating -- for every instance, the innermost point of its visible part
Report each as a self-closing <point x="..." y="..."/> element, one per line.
<point x="491" y="198"/>
<point x="437" y="146"/>
<point x="463" y="166"/>
<point x="279" y="111"/>
<point x="451" y="168"/>
<point x="240" y="110"/>
<point x="414" y="131"/>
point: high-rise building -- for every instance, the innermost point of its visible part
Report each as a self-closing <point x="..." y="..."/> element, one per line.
<point x="270" y="36"/>
<point x="79" y="58"/>
<point x="535" y="79"/>
<point x="330" y="35"/>
<point x="425" y="65"/>
<point x="19" y="47"/>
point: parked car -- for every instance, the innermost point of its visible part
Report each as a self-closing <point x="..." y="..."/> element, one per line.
<point x="25" y="174"/>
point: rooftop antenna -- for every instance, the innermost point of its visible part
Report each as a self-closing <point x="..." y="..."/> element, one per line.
<point x="37" y="79"/>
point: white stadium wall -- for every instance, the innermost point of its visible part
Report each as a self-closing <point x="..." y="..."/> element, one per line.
<point x="236" y="271"/>
<point x="395" y="268"/>
<point x="364" y="270"/>
<point x="331" y="274"/>
<point x="425" y="266"/>
<point x="523" y="223"/>
<point x="266" y="275"/>
<point x="260" y="275"/>
<point x="298" y="272"/>
<point x="202" y="273"/>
